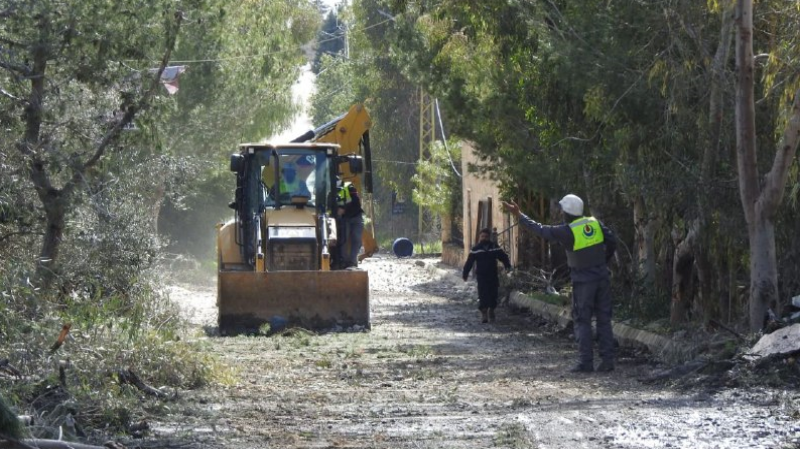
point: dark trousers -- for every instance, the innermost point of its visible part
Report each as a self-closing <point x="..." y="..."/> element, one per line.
<point x="589" y="299"/>
<point x="487" y="294"/>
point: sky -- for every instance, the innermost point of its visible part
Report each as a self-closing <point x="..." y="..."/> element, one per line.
<point x="301" y="91"/>
<point x="331" y="3"/>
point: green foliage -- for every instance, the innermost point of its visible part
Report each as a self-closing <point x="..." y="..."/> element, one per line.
<point x="436" y="183"/>
<point x="108" y="333"/>
<point x="334" y="89"/>
<point x="9" y="423"/>
<point x="84" y="64"/>
<point x="237" y="89"/>
<point x="609" y="100"/>
<point x="238" y="86"/>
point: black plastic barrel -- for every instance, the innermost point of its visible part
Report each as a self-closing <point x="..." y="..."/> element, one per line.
<point x="403" y="247"/>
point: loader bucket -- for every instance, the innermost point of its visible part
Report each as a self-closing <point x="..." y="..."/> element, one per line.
<point x="308" y="299"/>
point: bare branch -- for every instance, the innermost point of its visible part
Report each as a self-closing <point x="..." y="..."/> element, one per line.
<point x="775" y="183"/>
<point x="113" y="133"/>
<point x="607" y="115"/>
<point x="9" y="95"/>
<point x="11" y="43"/>
<point x="19" y="233"/>
<point x="33" y="116"/>
<point x="20" y="69"/>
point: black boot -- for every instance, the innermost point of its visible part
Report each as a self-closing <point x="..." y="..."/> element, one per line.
<point x="491" y="314"/>
<point x="606" y="366"/>
<point x="484" y="315"/>
<point x="582" y="368"/>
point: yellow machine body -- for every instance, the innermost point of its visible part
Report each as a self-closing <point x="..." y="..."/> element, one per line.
<point x="349" y="132"/>
<point x="274" y="257"/>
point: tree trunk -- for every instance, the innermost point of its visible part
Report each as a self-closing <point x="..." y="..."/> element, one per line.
<point x="682" y="273"/>
<point x="447" y="228"/>
<point x="763" y="271"/>
<point x="53" y="232"/>
<point x="645" y="242"/>
<point x="747" y="162"/>
<point x="724" y="291"/>
<point x="33" y="145"/>
<point x="693" y="249"/>
<point x="760" y="206"/>
<point x="159" y="194"/>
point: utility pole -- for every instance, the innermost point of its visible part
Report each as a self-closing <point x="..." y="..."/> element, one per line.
<point x="346" y="37"/>
<point x="427" y="137"/>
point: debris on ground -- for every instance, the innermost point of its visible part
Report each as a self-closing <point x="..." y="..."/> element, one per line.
<point x="785" y="341"/>
<point x="429" y="374"/>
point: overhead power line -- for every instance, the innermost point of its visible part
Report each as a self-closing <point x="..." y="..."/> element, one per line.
<point x="261" y="55"/>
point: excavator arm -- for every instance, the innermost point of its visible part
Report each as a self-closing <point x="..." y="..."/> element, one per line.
<point x="351" y="132"/>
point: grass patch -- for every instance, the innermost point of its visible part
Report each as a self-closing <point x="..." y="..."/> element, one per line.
<point x="323" y="363"/>
<point x="420" y="249"/>
<point x="519" y="403"/>
<point x="418" y="351"/>
<point x="513" y="435"/>
<point x="423" y="373"/>
<point x="557" y="300"/>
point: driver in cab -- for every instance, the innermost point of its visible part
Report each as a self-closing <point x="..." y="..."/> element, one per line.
<point x="291" y="184"/>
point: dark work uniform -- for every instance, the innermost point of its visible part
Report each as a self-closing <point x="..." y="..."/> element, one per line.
<point x="591" y="295"/>
<point x="486" y="255"/>
<point x="353" y="223"/>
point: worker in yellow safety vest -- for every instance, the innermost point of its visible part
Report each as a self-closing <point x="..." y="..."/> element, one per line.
<point x="590" y="245"/>
<point x="290" y="183"/>
<point x="352" y="219"/>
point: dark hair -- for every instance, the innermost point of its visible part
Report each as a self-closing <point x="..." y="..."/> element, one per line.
<point x="485" y="230"/>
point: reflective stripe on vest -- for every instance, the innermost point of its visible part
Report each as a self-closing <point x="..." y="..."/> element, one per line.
<point x="289" y="188"/>
<point x="344" y="194"/>
<point x="587" y="251"/>
<point x="587" y="233"/>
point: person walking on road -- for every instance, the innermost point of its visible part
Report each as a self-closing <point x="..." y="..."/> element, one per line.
<point x="486" y="254"/>
<point x="590" y="245"/>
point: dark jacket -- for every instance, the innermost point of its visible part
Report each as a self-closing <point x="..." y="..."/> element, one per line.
<point x="563" y="234"/>
<point x="486" y="255"/>
<point x="353" y="208"/>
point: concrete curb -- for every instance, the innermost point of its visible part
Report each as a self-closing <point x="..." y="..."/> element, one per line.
<point x="627" y="335"/>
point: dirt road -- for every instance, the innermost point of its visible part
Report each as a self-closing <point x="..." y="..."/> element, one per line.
<point x="430" y="375"/>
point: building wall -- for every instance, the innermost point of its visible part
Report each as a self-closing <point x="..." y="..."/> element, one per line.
<point x="477" y="188"/>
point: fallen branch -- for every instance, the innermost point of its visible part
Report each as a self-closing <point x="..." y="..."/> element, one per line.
<point x="138" y="427"/>
<point x="7" y="368"/>
<point x="61" y="337"/>
<point x="717" y="323"/>
<point x="26" y="420"/>
<point x="130" y="377"/>
<point x="676" y="372"/>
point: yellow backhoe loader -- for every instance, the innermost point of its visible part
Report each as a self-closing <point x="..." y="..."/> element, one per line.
<point x="275" y="258"/>
<point x="351" y="132"/>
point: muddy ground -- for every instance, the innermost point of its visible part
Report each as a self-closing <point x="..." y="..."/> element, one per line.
<point x="430" y="375"/>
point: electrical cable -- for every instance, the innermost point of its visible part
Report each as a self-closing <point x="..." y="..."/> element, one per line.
<point x="444" y="138"/>
<point x="261" y="55"/>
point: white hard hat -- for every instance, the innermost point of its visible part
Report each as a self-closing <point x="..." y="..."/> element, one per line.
<point x="572" y="205"/>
